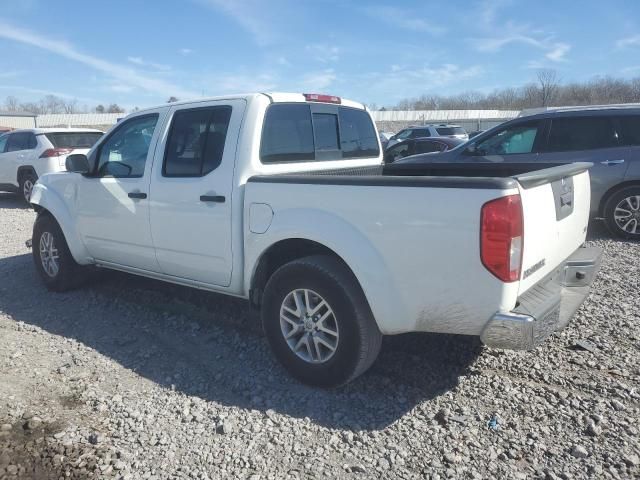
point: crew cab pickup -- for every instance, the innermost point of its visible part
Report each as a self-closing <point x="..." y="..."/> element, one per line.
<point x="282" y="199"/>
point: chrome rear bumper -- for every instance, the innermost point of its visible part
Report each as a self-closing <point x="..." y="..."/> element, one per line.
<point x="547" y="306"/>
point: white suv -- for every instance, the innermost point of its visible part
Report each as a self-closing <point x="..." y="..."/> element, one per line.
<point x="25" y="155"/>
<point x="420" y="131"/>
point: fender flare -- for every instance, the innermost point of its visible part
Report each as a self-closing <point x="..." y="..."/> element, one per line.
<point x="44" y="198"/>
<point x="350" y="244"/>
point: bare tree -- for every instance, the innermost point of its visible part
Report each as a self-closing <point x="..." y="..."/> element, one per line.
<point x="548" y="80"/>
<point x="100" y="109"/>
<point x="11" y="103"/>
<point x="70" y="106"/>
<point x="115" y="108"/>
<point x="172" y="99"/>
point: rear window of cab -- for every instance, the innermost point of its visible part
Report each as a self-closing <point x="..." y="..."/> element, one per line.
<point x="292" y="133"/>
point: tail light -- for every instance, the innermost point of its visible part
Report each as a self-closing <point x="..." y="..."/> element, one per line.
<point x="502" y="237"/>
<point x="318" y="97"/>
<point x="55" y="152"/>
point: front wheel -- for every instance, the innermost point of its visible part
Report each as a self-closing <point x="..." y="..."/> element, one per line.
<point x="622" y="213"/>
<point x="318" y="322"/>
<point x="51" y="256"/>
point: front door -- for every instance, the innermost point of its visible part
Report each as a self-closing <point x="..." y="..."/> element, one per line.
<point x="112" y="203"/>
<point x="191" y="204"/>
<point x="518" y="142"/>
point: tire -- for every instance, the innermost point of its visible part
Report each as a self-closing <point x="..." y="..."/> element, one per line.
<point x="67" y="274"/>
<point x="625" y="204"/>
<point x="356" y="338"/>
<point x="27" y="181"/>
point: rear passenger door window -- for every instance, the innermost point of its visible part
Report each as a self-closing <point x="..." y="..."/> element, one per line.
<point x="3" y="142"/>
<point x="581" y="133"/>
<point x="428" y="147"/>
<point x="628" y="130"/>
<point x="196" y="141"/>
<point x="21" y="141"/>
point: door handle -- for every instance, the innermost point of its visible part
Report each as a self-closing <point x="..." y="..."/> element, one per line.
<point x="212" y="198"/>
<point x="137" y="195"/>
<point x="612" y="162"/>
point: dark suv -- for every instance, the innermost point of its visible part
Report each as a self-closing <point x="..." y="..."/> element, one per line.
<point x="609" y="137"/>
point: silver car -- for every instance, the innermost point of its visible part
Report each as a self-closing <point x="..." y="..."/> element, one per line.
<point x="609" y="137"/>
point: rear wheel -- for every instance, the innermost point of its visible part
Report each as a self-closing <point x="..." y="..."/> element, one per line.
<point x="318" y="322"/>
<point x="52" y="258"/>
<point x="622" y="213"/>
<point x="27" y="181"/>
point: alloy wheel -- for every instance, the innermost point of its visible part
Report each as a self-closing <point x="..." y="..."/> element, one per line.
<point x="627" y="215"/>
<point x="49" y="254"/>
<point x="309" y="326"/>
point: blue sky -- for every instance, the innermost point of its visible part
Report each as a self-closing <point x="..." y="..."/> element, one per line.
<point x="138" y="53"/>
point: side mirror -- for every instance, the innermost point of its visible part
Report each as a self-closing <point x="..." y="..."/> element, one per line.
<point x="77" y="163"/>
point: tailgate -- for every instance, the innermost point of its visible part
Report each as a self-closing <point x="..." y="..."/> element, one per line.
<point x="555" y="204"/>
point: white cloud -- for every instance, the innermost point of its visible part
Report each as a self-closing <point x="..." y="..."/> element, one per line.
<point x="632" y="41"/>
<point x="185" y="51"/>
<point x="403" y="19"/>
<point x="38" y="91"/>
<point x="249" y="14"/>
<point x="283" y="61"/>
<point x="315" y="81"/>
<point x="324" y="53"/>
<point x="633" y="69"/>
<point x="553" y="51"/>
<point x="143" y="63"/>
<point x="125" y="75"/>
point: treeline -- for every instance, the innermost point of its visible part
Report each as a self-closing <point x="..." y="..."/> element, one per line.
<point x="547" y="90"/>
<point x="54" y="104"/>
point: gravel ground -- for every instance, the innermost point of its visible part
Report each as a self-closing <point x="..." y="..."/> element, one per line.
<point x="130" y="378"/>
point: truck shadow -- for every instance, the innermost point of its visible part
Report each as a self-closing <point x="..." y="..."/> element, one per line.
<point x="12" y="201"/>
<point x="211" y="346"/>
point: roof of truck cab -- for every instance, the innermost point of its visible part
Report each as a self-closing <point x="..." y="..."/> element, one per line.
<point x="38" y="131"/>
<point x="275" y="97"/>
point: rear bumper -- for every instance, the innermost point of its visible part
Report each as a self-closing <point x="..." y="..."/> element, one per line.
<point x="547" y="306"/>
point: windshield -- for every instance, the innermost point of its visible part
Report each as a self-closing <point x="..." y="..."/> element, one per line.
<point x="451" y="131"/>
<point x="73" y="139"/>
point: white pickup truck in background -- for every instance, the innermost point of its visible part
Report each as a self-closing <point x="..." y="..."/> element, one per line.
<point x="282" y="199"/>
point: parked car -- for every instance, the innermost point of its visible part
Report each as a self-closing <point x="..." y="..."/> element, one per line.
<point x="281" y="199"/>
<point x="442" y="130"/>
<point x="25" y="155"/>
<point x="608" y="137"/>
<point x="413" y="146"/>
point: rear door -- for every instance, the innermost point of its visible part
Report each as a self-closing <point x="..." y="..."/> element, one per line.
<point x="592" y="138"/>
<point x="191" y="202"/>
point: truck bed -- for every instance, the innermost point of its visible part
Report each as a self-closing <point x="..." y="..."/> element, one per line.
<point x="440" y="175"/>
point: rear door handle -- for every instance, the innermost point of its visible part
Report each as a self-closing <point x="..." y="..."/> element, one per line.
<point x="137" y="195"/>
<point x="212" y="198"/>
<point x="612" y="162"/>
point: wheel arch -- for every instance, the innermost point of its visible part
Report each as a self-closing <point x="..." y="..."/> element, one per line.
<point x="46" y="201"/>
<point x="23" y="170"/>
<point x="300" y="232"/>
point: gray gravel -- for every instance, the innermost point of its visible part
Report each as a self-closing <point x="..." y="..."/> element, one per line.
<point x="130" y="378"/>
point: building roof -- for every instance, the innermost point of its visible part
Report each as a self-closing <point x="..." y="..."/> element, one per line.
<point x="73" y="119"/>
<point x="4" y="113"/>
<point x="431" y="116"/>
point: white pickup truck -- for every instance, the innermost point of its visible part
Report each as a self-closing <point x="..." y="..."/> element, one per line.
<point x="282" y="199"/>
